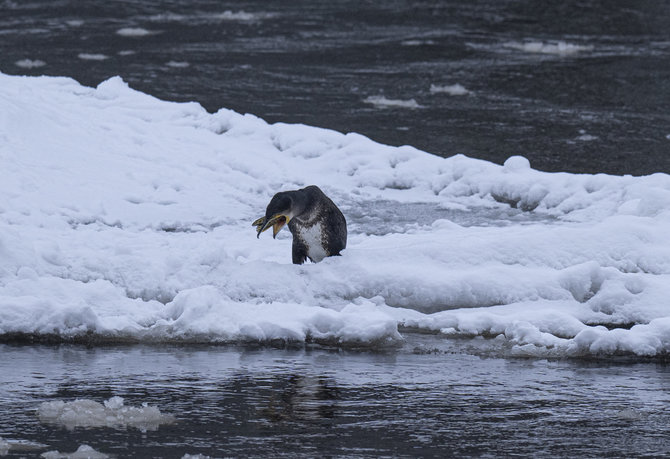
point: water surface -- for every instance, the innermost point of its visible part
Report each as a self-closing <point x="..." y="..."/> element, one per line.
<point x="577" y="86"/>
<point x="431" y="397"/>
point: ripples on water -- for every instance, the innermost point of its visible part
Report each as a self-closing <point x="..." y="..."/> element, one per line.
<point x="577" y="86"/>
<point x="416" y="401"/>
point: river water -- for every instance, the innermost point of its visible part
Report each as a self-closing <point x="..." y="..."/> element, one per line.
<point x="577" y="86"/>
<point x="453" y="399"/>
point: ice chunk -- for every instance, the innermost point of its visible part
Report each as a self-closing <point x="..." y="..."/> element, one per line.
<point x="113" y="413"/>
<point x="452" y="90"/>
<point x="83" y="452"/>
<point x="134" y="32"/>
<point x="383" y="102"/>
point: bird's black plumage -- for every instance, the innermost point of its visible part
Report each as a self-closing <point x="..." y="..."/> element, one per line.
<point x="318" y="227"/>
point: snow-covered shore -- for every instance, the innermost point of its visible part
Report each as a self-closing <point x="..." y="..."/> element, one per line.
<point x="123" y="217"/>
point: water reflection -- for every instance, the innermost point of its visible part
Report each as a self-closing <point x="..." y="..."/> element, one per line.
<point x="235" y="401"/>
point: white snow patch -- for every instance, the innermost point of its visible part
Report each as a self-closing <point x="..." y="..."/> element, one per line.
<point x="113" y="413"/>
<point x="30" y="63"/>
<point x="92" y="56"/>
<point x="383" y="102"/>
<point x="452" y="90"/>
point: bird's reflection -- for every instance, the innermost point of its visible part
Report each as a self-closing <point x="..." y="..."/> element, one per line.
<point x="303" y="398"/>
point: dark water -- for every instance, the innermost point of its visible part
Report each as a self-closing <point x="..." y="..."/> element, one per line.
<point x="602" y="108"/>
<point x="414" y="401"/>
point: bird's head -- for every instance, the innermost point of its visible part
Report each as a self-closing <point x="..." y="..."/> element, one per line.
<point x="278" y="213"/>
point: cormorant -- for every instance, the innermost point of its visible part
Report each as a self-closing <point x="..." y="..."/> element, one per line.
<point x="318" y="227"/>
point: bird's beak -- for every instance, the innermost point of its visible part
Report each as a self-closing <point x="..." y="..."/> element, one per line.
<point x="277" y="222"/>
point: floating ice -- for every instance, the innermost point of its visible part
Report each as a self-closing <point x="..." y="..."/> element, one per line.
<point x="452" y="90"/>
<point x="113" y="413"/>
<point x="560" y="48"/>
<point x="417" y="42"/>
<point x="177" y="64"/>
<point x="383" y="102"/>
<point x="134" y="32"/>
<point x="92" y="56"/>
<point x="30" y="63"/>
<point x="7" y="445"/>
<point x="206" y="17"/>
<point x="128" y="219"/>
<point x="83" y="452"/>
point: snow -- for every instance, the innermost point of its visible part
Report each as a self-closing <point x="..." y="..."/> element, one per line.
<point x="127" y="218"/>
<point x="383" y="102"/>
<point x="113" y="413"/>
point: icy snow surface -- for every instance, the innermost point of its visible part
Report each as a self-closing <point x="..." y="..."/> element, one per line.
<point x="123" y="217"/>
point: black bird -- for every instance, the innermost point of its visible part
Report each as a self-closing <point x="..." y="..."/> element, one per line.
<point x="318" y="227"/>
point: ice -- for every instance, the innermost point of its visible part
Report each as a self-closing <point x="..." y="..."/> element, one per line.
<point x="30" y="63"/>
<point x="92" y="56"/>
<point x="383" y="102"/>
<point x="559" y="48"/>
<point x="209" y="18"/>
<point x="177" y="64"/>
<point x="134" y="32"/>
<point x="113" y="413"/>
<point x="417" y="42"/>
<point x="15" y="446"/>
<point x="83" y="452"/>
<point x="452" y="90"/>
<point x="128" y="219"/>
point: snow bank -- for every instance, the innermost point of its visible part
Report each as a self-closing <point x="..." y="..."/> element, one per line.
<point x="113" y="413"/>
<point x="123" y="217"/>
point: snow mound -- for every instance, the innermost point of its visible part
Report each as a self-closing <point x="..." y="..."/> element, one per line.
<point x="129" y="219"/>
<point x="113" y="413"/>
